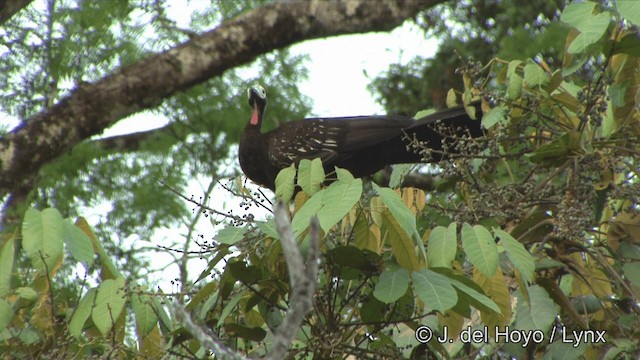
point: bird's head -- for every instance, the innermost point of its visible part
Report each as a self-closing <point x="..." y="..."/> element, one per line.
<point x="258" y="102"/>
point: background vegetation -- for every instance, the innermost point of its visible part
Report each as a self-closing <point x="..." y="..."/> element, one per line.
<point x="534" y="228"/>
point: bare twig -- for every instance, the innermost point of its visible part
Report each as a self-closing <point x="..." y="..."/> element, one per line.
<point x="203" y="334"/>
<point x="303" y="280"/>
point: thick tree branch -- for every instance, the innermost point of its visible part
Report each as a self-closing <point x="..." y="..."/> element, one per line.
<point x="8" y="8"/>
<point x="93" y="107"/>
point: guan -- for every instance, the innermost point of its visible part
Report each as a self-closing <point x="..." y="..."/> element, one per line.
<point x="361" y="144"/>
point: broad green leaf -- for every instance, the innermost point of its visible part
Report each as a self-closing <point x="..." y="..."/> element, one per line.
<point x="82" y="313"/>
<point x="473" y="296"/>
<point x="344" y="175"/>
<point x="42" y="237"/>
<point x="617" y="93"/>
<point x="245" y="332"/>
<point x="230" y="306"/>
<point x="442" y="246"/>
<point x="593" y="31"/>
<point x="434" y="289"/>
<point x="7" y="252"/>
<point x="285" y="183"/>
<point x="519" y="256"/>
<point x="146" y="318"/>
<point x="391" y="285"/>
<point x="513" y="67"/>
<point x="480" y="248"/>
<point x="27" y="293"/>
<point x="514" y="88"/>
<point x="630" y="10"/>
<point x="310" y="175"/>
<point x="402" y="247"/>
<point x="398" y="174"/>
<point x="78" y="243"/>
<point x="399" y="209"/>
<point x="534" y="75"/>
<point x="6" y="314"/>
<point x="539" y="313"/>
<point x="422" y="113"/>
<point x="230" y="235"/>
<point x="108" y="269"/>
<point x="494" y="116"/>
<point x="557" y="151"/>
<point x="629" y="44"/>
<point x="631" y="271"/>
<point x="110" y="301"/>
<point x="577" y="13"/>
<point x="338" y="199"/>
<point x="403" y="215"/>
<point x="570" y="350"/>
<point x="497" y="288"/>
<point x="302" y="218"/>
<point x="268" y="228"/>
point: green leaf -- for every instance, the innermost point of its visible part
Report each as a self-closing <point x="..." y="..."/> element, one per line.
<point x="617" y="93"/>
<point x="480" y="248"/>
<point x="231" y="305"/>
<point x="268" y="228"/>
<point x="285" y="183"/>
<point x="629" y="44"/>
<point x="442" y="246"/>
<point x="434" y="289"/>
<point x="146" y="318"/>
<point x="630" y="10"/>
<point x="6" y="314"/>
<point x="570" y="350"/>
<point x="517" y="253"/>
<point x="497" y="115"/>
<point x="27" y="293"/>
<point x="473" y="296"/>
<point x="42" y="237"/>
<point x="302" y="218"/>
<point x="82" y="313"/>
<point x="7" y="252"/>
<point x="338" y="199"/>
<point x="514" y="89"/>
<point x="593" y="31"/>
<point x="402" y="247"/>
<point x="398" y="174"/>
<point x="344" y="175"/>
<point x="513" y="67"/>
<point x="310" y="175"/>
<point x="330" y="205"/>
<point x="538" y="314"/>
<point x="230" y="235"/>
<point x="399" y="210"/>
<point x="422" y="113"/>
<point x="78" y="243"/>
<point x="534" y="75"/>
<point x="245" y="332"/>
<point x="109" y="304"/>
<point x="576" y="13"/>
<point x="557" y="151"/>
<point x="631" y="271"/>
<point x="391" y="285"/>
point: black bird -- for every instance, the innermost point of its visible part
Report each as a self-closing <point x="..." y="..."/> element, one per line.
<point x="361" y="144"/>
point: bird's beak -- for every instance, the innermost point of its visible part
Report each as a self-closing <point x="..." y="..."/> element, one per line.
<point x="254" y="115"/>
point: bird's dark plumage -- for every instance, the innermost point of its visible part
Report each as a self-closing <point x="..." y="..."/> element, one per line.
<point x="360" y="144"/>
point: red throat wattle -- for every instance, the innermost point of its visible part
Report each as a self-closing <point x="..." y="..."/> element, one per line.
<point x="254" y="115"/>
